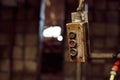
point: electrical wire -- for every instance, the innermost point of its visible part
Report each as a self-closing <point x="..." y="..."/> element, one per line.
<point x="81" y="5"/>
<point x="115" y="69"/>
<point x="112" y="76"/>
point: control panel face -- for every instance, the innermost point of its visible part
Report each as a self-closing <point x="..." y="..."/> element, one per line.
<point x="76" y="42"/>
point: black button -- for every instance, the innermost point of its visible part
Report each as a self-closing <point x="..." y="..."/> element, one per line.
<point x="72" y="35"/>
<point x="73" y="52"/>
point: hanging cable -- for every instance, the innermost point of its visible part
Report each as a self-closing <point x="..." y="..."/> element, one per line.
<point x="116" y="65"/>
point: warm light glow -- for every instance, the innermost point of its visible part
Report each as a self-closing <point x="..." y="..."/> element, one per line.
<point x="53" y="31"/>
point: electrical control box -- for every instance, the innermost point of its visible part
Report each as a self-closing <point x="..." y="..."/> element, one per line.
<point x="77" y="38"/>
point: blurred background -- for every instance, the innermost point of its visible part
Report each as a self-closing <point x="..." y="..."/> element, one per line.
<point x="33" y="39"/>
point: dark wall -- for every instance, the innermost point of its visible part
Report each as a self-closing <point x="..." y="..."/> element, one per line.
<point x="19" y="40"/>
